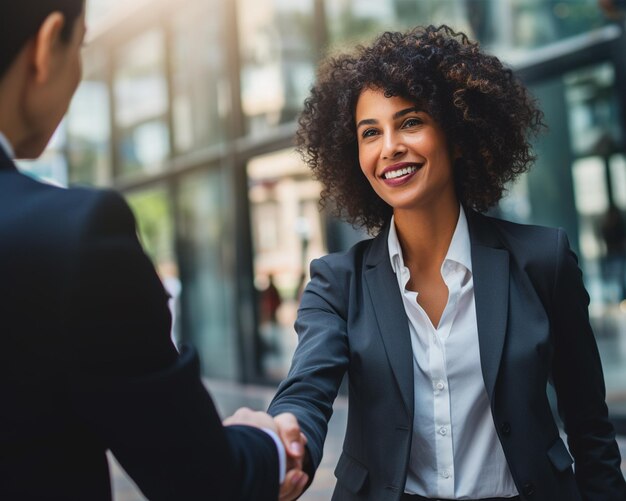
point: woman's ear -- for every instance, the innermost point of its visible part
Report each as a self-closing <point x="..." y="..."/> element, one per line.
<point x="46" y="44"/>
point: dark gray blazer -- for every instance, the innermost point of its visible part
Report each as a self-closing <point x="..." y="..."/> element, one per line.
<point x="533" y="327"/>
<point x="87" y="364"/>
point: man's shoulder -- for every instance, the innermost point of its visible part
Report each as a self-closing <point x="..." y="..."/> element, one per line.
<point x="37" y="218"/>
<point x="66" y="209"/>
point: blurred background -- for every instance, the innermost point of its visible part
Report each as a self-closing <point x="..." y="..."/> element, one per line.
<point x="188" y="107"/>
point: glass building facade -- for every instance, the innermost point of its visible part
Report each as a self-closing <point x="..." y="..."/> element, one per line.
<point x="188" y="107"/>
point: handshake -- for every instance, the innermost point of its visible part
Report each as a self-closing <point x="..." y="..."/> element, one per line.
<point x="286" y="427"/>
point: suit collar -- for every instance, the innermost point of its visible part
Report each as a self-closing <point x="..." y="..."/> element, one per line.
<point x="6" y="146"/>
<point x="490" y="265"/>
<point x="379" y="251"/>
<point x="490" y="261"/>
<point x="5" y="161"/>
<point x="390" y="316"/>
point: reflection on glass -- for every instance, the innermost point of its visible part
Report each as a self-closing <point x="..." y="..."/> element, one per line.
<point x="51" y="166"/>
<point x="278" y="54"/>
<point x="200" y="92"/>
<point x="351" y="21"/>
<point x="88" y="132"/>
<point x="599" y="186"/>
<point x="144" y="147"/>
<point x="541" y="22"/>
<point x="618" y="177"/>
<point x="590" y="186"/>
<point x="593" y="109"/>
<point x="503" y="25"/>
<point x="207" y="271"/>
<point x="591" y="197"/>
<point x="153" y="211"/>
<point x="140" y="89"/>
<point x="287" y="231"/>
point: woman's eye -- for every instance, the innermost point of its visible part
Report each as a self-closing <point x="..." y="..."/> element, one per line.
<point x="411" y="122"/>
<point x="369" y="133"/>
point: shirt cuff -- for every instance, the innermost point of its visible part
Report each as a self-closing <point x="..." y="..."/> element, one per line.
<point x="282" y="455"/>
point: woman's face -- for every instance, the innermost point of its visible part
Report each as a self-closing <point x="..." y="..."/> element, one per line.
<point x="403" y="152"/>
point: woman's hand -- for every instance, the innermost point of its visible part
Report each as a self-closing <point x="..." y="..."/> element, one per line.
<point x="294" y="441"/>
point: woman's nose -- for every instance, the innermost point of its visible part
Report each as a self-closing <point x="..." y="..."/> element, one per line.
<point x="393" y="146"/>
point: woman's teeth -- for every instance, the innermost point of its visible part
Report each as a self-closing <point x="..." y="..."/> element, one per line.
<point x="393" y="174"/>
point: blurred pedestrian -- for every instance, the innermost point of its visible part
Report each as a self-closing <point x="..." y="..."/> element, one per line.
<point x="614" y="237"/>
<point x="87" y="363"/>
<point x="449" y="324"/>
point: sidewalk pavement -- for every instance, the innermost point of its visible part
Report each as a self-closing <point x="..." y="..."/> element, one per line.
<point x="230" y="396"/>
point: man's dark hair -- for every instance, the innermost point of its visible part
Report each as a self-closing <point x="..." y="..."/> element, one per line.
<point x="20" y="20"/>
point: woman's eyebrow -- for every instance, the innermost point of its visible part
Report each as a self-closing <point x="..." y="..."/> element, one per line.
<point x="396" y="115"/>
<point x="367" y="121"/>
<point x="406" y="111"/>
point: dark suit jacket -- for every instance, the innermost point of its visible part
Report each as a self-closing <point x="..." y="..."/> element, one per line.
<point x="87" y="363"/>
<point x="533" y="327"/>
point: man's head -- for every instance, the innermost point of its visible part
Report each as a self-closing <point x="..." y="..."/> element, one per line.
<point x="40" y="68"/>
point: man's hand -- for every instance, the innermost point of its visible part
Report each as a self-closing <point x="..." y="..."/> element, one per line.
<point x="248" y="417"/>
<point x="286" y="427"/>
<point x="294" y="484"/>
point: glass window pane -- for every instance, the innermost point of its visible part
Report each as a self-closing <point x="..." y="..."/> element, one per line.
<point x="88" y="134"/>
<point x="278" y="57"/>
<point x="584" y="139"/>
<point x="153" y="210"/>
<point x="287" y="232"/>
<point x="618" y="179"/>
<point x="208" y="273"/>
<point x="51" y="166"/>
<point x="352" y="21"/>
<point x="593" y="110"/>
<point x="590" y="188"/>
<point x="200" y="93"/>
<point x="140" y="89"/>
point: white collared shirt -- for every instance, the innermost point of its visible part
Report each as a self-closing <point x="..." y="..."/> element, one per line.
<point x="6" y="146"/>
<point x="455" y="451"/>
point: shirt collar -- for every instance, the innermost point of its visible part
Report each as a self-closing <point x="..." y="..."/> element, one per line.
<point x="6" y="146"/>
<point x="459" y="250"/>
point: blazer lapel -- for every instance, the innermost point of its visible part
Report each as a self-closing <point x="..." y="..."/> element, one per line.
<point x="5" y="161"/>
<point x="389" y="311"/>
<point x="490" y="266"/>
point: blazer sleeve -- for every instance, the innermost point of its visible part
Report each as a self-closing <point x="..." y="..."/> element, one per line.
<point x="320" y="360"/>
<point x="579" y="384"/>
<point x="130" y="387"/>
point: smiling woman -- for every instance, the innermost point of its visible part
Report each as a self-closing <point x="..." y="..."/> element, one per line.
<point x="403" y="153"/>
<point x="482" y="109"/>
<point x="448" y="323"/>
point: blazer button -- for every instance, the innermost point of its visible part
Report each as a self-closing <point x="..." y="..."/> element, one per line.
<point x="505" y="428"/>
<point x="528" y="489"/>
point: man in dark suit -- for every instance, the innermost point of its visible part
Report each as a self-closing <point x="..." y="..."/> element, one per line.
<point x="87" y="363"/>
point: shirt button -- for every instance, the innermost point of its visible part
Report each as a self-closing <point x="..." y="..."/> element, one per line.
<point x="443" y="430"/>
<point x="439" y="385"/>
<point x="445" y="474"/>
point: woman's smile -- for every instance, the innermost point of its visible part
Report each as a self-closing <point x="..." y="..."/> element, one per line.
<point x="400" y="173"/>
<point x="403" y="152"/>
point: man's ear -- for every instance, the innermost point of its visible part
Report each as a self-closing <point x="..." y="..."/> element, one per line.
<point x="46" y="42"/>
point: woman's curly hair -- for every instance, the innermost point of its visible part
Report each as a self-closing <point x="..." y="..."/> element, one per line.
<point x="485" y="112"/>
